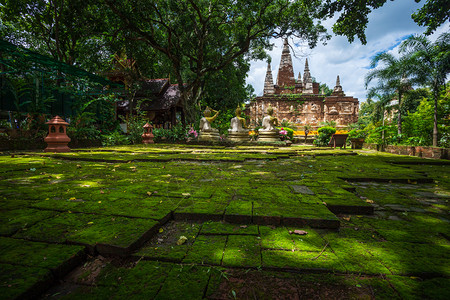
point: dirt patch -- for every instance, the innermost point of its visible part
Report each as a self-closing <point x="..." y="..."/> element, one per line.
<point x="240" y="284"/>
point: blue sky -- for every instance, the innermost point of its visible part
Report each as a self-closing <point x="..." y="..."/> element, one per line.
<point x="387" y="28"/>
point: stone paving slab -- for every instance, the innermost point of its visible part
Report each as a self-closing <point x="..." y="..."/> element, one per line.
<point x="114" y="208"/>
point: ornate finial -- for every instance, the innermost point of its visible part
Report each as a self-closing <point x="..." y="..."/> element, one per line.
<point x="307" y="80"/>
<point x="337" y="91"/>
<point x="286" y="75"/>
<point x="299" y="77"/>
<point x="268" y="82"/>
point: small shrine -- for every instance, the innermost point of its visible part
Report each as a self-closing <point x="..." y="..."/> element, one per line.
<point x="57" y="139"/>
<point x="147" y="136"/>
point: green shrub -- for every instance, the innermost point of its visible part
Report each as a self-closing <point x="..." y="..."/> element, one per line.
<point x="115" y="138"/>
<point x="290" y="132"/>
<point x="135" y="128"/>
<point x="324" y="136"/>
<point x="357" y="134"/>
<point x="175" y="134"/>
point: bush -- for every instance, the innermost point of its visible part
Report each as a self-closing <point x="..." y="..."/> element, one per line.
<point x="357" y="134"/>
<point x="135" y="128"/>
<point x="115" y="138"/>
<point x="289" y="135"/>
<point x="82" y="127"/>
<point x="325" y="133"/>
<point x="175" y="134"/>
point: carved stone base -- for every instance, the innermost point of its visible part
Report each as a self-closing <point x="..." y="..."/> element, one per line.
<point x="208" y="136"/>
<point x="268" y="136"/>
<point x="238" y="136"/>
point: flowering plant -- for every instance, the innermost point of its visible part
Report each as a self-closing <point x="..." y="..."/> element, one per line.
<point x="253" y="134"/>
<point x="284" y="134"/>
<point x="192" y="133"/>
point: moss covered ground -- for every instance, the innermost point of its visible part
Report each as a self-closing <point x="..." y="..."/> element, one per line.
<point x="185" y="221"/>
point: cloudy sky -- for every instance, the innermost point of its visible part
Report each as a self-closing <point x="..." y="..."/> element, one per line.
<point x="387" y="27"/>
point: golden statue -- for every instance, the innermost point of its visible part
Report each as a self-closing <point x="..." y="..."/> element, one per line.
<point x="237" y="123"/>
<point x="205" y="122"/>
<point x="269" y="122"/>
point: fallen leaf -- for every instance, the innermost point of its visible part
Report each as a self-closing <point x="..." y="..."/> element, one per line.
<point x="185" y="194"/>
<point x="102" y="192"/>
<point x="299" y="232"/>
<point x="243" y="226"/>
<point x="149" y="193"/>
<point x="182" y="240"/>
<point x="369" y="201"/>
<point x="161" y="230"/>
<point x="99" y="201"/>
<point x="346" y="218"/>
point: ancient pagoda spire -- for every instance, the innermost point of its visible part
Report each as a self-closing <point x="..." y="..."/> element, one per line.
<point x="337" y="91"/>
<point x="307" y="80"/>
<point x="268" y="82"/>
<point x="285" y="71"/>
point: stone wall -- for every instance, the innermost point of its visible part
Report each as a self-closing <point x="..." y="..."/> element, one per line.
<point x="419" y="151"/>
<point x="306" y="109"/>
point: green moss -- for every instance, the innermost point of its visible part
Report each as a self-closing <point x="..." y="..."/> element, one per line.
<point x="202" y="206"/>
<point x="210" y="228"/>
<point x="242" y="251"/>
<point x="206" y="250"/>
<point x="355" y="256"/>
<point x="34" y="254"/>
<point x="16" y="280"/>
<point x="417" y="288"/>
<point x="144" y="280"/>
<point x="89" y="229"/>
<point x="185" y="282"/>
<point x="276" y="238"/>
<point x="412" y="258"/>
<point x="164" y="244"/>
<point x="301" y="260"/>
<point x="239" y="207"/>
<point x="116" y="231"/>
<point x="14" y="220"/>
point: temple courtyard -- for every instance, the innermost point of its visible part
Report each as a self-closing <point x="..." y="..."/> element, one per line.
<point x="247" y="222"/>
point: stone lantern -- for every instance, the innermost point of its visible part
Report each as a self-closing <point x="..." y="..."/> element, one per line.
<point x="147" y="137"/>
<point x="57" y="138"/>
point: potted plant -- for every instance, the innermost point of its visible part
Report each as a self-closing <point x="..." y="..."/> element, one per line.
<point x="357" y="137"/>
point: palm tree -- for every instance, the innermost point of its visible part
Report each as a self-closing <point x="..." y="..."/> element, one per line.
<point x="379" y="107"/>
<point x="432" y="67"/>
<point x="392" y="78"/>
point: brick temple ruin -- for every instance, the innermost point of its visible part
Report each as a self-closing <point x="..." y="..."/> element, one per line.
<point x="299" y="101"/>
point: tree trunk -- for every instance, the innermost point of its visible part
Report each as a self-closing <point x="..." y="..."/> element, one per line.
<point x="399" y="119"/>
<point x="435" y="128"/>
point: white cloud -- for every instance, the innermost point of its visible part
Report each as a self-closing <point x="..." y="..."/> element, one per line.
<point x="387" y="27"/>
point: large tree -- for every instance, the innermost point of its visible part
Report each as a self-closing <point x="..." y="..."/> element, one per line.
<point x="204" y="37"/>
<point x="63" y="29"/>
<point x="392" y="74"/>
<point x="353" y="15"/>
<point x="432" y="66"/>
